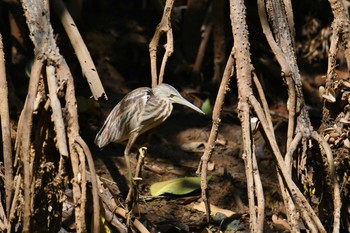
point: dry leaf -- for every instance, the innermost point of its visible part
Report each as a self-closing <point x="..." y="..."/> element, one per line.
<point x="214" y="210"/>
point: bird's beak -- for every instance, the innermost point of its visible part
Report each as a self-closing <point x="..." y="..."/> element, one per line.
<point x="183" y="101"/>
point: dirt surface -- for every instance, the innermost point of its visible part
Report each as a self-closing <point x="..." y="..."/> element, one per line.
<point x="167" y="160"/>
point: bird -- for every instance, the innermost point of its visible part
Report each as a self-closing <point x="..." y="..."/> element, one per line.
<point x="139" y="111"/>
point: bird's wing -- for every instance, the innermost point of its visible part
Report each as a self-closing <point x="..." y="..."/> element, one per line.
<point x="123" y="119"/>
<point x="155" y="112"/>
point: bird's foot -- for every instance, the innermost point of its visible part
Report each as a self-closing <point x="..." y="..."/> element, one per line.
<point x="142" y="151"/>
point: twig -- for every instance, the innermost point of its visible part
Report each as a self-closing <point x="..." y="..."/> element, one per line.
<point x="17" y="185"/>
<point x="63" y="73"/>
<point x="291" y="211"/>
<point x="281" y="21"/>
<point x="263" y="100"/>
<point x="22" y="144"/>
<point x="286" y="57"/>
<point x="341" y="24"/>
<point x="331" y="172"/>
<point x="247" y="157"/>
<point x="109" y="212"/>
<point x="290" y="18"/>
<point x="303" y="205"/>
<point x="340" y="34"/>
<point x="270" y="38"/>
<point x="108" y="199"/>
<point x="333" y="50"/>
<point x="82" y="182"/>
<point x="56" y="111"/>
<point x="292" y="214"/>
<point x="96" y="203"/>
<point x="259" y="192"/>
<point x="163" y="27"/>
<point x="219" y="39"/>
<point x="3" y="219"/>
<point x="5" y="130"/>
<point x="83" y="55"/>
<point x="219" y="102"/>
<point x="206" y="31"/>
<point x="111" y="218"/>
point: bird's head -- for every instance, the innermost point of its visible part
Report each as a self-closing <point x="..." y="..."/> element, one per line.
<point x="169" y="93"/>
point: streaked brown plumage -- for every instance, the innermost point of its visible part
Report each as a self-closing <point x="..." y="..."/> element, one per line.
<point x="139" y="111"/>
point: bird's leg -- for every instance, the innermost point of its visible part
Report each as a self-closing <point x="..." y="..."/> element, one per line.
<point x="132" y="186"/>
<point x="130" y="143"/>
<point x="133" y="191"/>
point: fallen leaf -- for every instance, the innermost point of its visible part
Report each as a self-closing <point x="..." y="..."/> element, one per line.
<point x="280" y="222"/>
<point x="179" y="186"/>
<point x="214" y="210"/>
<point x="193" y="146"/>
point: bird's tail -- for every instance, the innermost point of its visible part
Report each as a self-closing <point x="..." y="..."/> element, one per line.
<point x="101" y="140"/>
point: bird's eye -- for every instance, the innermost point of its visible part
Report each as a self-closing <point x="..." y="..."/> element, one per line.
<point x="171" y="95"/>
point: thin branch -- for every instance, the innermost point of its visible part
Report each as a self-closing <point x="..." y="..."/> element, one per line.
<point x="247" y="156"/>
<point x="83" y="55"/>
<point x="83" y="183"/>
<point x="259" y="192"/>
<point x="219" y="102"/>
<point x="95" y="197"/>
<point x="113" y="220"/>
<point x="292" y="214"/>
<point x="206" y="30"/>
<point x="281" y="20"/>
<point x="291" y="211"/>
<point x="290" y="18"/>
<point x="219" y="39"/>
<point x="331" y="172"/>
<point x="342" y="21"/>
<point x="293" y="217"/>
<point x="77" y="156"/>
<point x="3" y="219"/>
<point x="169" y="49"/>
<point x="5" y="130"/>
<point x="17" y="185"/>
<point x="302" y="204"/>
<point x="283" y="34"/>
<point x="163" y="27"/>
<point x="263" y="100"/>
<point x="56" y="111"/>
<point x="333" y="50"/>
<point x="22" y="144"/>
<point x="270" y="38"/>
<point x="63" y="73"/>
<point x="109" y="201"/>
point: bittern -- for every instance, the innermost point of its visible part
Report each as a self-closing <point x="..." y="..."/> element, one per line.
<point x="139" y="111"/>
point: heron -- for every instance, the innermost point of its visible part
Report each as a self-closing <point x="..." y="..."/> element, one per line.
<point x="139" y="111"/>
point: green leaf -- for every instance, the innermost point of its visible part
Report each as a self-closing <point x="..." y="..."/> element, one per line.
<point x="179" y="186"/>
<point x="206" y="107"/>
